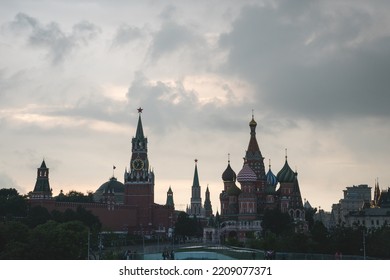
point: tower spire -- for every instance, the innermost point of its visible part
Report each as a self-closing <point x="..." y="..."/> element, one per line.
<point x="253" y="155"/>
<point x="196" y="200"/>
<point x="196" y="177"/>
<point x="140" y="132"/>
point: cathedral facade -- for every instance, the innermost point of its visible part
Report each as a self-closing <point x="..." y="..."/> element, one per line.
<point x="243" y="206"/>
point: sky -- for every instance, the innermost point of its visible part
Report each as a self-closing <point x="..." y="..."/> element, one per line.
<point x="315" y="73"/>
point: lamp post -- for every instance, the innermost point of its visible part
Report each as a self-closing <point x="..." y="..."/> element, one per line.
<point x="364" y="243"/>
<point x="143" y="240"/>
<point x="88" y="242"/>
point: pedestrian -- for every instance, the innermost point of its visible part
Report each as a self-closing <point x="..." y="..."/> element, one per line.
<point x="164" y="254"/>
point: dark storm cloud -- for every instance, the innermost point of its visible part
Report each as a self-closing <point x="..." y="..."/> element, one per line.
<point x="168" y="12"/>
<point x="58" y="43"/>
<point x="311" y="63"/>
<point x="169" y="103"/>
<point x="126" y="34"/>
<point x="170" y="38"/>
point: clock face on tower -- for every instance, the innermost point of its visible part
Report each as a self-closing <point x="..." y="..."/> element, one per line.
<point x="138" y="164"/>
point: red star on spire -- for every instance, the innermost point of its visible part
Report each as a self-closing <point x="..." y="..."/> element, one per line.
<point x="139" y="110"/>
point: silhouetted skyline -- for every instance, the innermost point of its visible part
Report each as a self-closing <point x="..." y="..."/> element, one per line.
<point x="72" y="75"/>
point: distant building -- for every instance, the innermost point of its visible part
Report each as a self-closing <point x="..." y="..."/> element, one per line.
<point x="355" y="198"/>
<point x="128" y="206"/>
<point x="358" y="209"/>
<point x="369" y="217"/>
<point x="324" y="217"/>
<point x="374" y="215"/>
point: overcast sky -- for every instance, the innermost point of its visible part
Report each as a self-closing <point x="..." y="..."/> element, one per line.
<point x="315" y="73"/>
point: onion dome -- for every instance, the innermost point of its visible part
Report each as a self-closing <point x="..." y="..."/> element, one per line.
<point x="111" y="186"/>
<point x="286" y="174"/>
<point x="271" y="178"/>
<point x="229" y="175"/>
<point x="246" y="174"/>
<point x="252" y="122"/>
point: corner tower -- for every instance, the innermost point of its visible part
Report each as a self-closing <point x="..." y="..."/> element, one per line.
<point x="42" y="188"/>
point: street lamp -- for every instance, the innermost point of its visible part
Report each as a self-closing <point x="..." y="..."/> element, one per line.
<point x="364" y="243"/>
<point x="143" y="240"/>
<point x="89" y="233"/>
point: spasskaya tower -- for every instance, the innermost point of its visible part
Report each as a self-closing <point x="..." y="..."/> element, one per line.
<point x="139" y="179"/>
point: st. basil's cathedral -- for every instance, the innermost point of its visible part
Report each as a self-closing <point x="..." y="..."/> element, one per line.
<point x="242" y="208"/>
<point x="130" y="207"/>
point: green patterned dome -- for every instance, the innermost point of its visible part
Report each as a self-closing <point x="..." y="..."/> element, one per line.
<point x="286" y="174"/>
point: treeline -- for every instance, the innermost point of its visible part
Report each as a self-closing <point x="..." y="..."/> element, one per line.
<point x="36" y="233"/>
<point x="279" y="234"/>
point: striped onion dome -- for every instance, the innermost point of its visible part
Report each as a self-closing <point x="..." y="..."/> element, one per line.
<point x="246" y="174"/>
<point x="271" y="178"/>
<point x="286" y="174"/>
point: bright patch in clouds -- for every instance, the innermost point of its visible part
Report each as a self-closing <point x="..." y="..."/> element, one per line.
<point x="115" y="92"/>
<point x="216" y="89"/>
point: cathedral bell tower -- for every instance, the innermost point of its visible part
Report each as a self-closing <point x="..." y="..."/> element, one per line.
<point x="139" y="180"/>
<point x="255" y="160"/>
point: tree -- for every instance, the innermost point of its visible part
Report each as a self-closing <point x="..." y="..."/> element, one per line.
<point x="59" y="241"/>
<point x="309" y="216"/>
<point x="37" y="215"/>
<point x="14" y="238"/>
<point x="378" y="244"/>
<point x="81" y="214"/>
<point x="75" y="196"/>
<point x="347" y="240"/>
<point x="187" y="226"/>
<point x="276" y="222"/>
<point x="320" y="236"/>
<point x="12" y="204"/>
